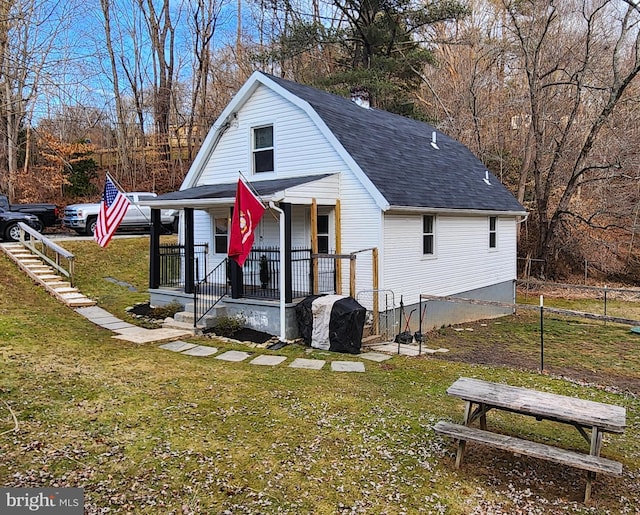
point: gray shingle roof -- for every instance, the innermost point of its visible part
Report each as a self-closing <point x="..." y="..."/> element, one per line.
<point x="396" y="154"/>
<point x="228" y="190"/>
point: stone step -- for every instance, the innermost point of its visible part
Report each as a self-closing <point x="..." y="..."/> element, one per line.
<point x="60" y="284"/>
<point x="170" y="323"/>
<point x="80" y="302"/>
<point x="39" y="269"/>
<point x="72" y="295"/>
<point x="63" y="290"/>
<point x="48" y="278"/>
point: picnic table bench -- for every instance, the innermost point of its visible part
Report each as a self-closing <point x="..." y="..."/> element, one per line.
<point x="482" y="396"/>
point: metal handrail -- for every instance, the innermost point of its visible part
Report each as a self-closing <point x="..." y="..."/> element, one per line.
<point x="208" y="289"/>
<point x="39" y="245"/>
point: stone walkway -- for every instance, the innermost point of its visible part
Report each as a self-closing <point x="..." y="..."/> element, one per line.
<point x="171" y="341"/>
<point x="190" y="349"/>
<point x="129" y="332"/>
<point x="132" y="333"/>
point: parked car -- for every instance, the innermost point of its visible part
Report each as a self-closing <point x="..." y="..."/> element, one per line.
<point x="48" y="214"/>
<point x="9" y="230"/>
<point x="82" y="217"/>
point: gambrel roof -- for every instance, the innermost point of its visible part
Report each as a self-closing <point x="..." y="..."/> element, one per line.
<point x="392" y="155"/>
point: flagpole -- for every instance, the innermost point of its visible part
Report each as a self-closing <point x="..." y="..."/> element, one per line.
<point x="282" y="274"/>
<point x="253" y="190"/>
<point x="117" y="184"/>
<point x="121" y="190"/>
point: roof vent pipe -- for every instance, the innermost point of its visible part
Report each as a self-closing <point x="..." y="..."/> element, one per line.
<point x="433" y="141"/>
<point x="486" y="177"/>
<point x="360" y="96"/>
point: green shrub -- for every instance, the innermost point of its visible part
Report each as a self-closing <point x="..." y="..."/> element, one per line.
<point x="168" y="310"/>
<point x="227" y="326"/>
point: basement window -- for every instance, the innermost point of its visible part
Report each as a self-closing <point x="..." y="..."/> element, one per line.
<point x="263" y="149"/>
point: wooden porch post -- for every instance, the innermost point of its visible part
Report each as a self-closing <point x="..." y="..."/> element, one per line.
<point x="189" y="254"/>
<point x="338" y="263"/>
<point x="154" y="249"/>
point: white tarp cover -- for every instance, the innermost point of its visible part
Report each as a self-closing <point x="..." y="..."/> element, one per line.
<point x="321" y="311"/>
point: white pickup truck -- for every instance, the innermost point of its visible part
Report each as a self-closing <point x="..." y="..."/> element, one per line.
<point x="82" y="217"/>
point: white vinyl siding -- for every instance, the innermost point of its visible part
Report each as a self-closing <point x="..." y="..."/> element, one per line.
<point x="464" y="261"/>
<point x="300" y="147"/>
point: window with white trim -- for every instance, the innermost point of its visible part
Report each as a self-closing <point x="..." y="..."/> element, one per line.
<point x="263" y="149"/>
<point x="428" y="235"/>
<point x="322" y="227"/>
<point x="220" y="234"/>
<point x="493" y="232"/>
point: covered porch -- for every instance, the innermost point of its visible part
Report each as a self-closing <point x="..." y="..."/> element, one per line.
<point x="196" y="273"/>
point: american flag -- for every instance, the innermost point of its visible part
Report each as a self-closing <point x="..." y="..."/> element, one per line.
<point x="113" y="207"/>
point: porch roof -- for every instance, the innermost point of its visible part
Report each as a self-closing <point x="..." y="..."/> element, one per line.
<point x="210" y="195"/>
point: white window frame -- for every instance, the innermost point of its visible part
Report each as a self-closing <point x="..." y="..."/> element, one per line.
<point x="434" y="220"/>
<point x="255" y="150"/>
<point x="492" y="245"/>
<point x="216" y="235"/>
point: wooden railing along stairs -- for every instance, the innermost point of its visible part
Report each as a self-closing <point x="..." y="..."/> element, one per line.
<point x="40" y="259"/>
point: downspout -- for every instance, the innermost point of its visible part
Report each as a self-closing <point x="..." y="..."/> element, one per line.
<point x="282" y="268"/>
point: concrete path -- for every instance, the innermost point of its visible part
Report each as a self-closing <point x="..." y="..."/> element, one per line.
<point x="129" y="332"/>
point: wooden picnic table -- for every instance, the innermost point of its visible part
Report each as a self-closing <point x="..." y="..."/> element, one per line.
<point x="586" y="416"/>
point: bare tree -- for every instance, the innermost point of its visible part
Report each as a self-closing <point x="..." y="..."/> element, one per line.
<point x="579" y="58"/>
<point x="161" y="30"/>
<point x="28" y="31"/>
<point x="123" y="143"/>
<point x="204" y="16"/>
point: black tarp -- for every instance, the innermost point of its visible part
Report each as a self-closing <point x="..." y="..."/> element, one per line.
<point x="331" y="322"/>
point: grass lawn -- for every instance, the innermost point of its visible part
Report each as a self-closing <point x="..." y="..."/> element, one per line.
<point x="148" y="431"/>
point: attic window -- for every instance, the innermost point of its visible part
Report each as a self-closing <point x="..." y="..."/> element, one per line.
<point x="263" y="149"/>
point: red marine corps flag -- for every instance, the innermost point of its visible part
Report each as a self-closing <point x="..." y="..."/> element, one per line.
<point x="247" y="213"/>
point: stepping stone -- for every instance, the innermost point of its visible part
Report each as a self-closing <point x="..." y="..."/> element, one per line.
<point x="266" y="359"/>
<point x="105" y="320"/>
<point x="94" y="312"/>
<point x="375" y="356"/>
<point x="233" y="355"/>
<point x="178" y="346"/>
<point x="200" y="350"/>
<point x="310" y="364"/>
<point x="115" y="326"/>
<point x="347" y="366"/>
<point x="441" y="349"/>
<point x="136" y="334"/>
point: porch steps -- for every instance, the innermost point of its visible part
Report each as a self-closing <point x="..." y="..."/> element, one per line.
<point x="44" y="275"/>
<point x="172" y="323"/>
<point x="208" y="320"/>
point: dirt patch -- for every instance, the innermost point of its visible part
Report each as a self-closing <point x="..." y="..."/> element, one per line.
<point x="479" y="346"/>
<point x="251" y="335"/>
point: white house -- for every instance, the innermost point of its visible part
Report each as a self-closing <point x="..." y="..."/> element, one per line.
<point x="373" y="204"/>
